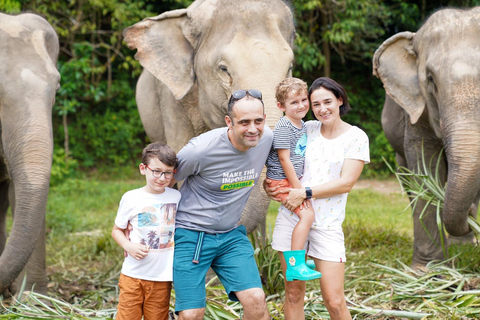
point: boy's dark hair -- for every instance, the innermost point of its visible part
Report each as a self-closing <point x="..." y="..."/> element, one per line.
<point x="161" y="152"/>
<point x="335" y="88"/>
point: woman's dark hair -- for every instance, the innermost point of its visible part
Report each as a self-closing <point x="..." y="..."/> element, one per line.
<point x="335" y="88"/>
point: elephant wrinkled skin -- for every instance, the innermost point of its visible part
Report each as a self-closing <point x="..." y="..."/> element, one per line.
<point x="28" y="81"/>
<point x="194" y="58"/>
<point x="432" y="82"/>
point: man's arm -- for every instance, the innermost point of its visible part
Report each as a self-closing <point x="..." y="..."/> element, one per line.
<point x="172" y="183"/>
<point x="187" y="162"/>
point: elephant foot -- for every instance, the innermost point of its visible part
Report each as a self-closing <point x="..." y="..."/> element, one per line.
<point x="472" y="211"/>
<point x="419" y="268"/>
<point x="7" y="293"/>
<point x="469" y="238"/>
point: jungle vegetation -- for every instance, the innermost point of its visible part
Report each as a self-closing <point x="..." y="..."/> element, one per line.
<point x="97" y="130"/>
<point x="96" y="123"/>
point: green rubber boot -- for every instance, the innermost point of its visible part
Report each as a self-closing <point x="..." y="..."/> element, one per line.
<point x="311" y="264"/>
<point x="296" y="267"/>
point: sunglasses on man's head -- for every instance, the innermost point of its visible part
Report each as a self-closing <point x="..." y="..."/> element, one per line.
<point x="240" y="94"/>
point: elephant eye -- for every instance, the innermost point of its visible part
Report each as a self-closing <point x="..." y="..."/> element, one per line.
<point x="289" y="72"/>
<point x="223" y="68"/>
<point x="431" y="82"/>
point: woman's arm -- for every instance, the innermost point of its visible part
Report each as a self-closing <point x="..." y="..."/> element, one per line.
<point x="351" y="171"/>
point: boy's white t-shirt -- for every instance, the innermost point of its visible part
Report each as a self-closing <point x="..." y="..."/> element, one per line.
<point x="153" y="219"/>
<point x="324" y="160"/>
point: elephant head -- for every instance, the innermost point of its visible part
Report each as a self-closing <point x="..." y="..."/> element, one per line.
<point x="220" y="46"/>
<point x="434" y="75"/>
<point x="194" y="58"/>
<point x="28" y="82"/>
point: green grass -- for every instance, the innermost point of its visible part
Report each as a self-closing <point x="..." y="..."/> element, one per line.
<point x="378" y="210"/>
<point x="84" y="262"/>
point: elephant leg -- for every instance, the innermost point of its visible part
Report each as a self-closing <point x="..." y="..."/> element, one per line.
<point x="401" y="161"/>
<point x="394" y="121"/>
<point x="427" y="243"/>
<point x="3" y="214"/>
<point x="164" y="118"/>
<point x="257" y="202"/>
<point x="148" y="104"/>
<point x="179" y="130"/>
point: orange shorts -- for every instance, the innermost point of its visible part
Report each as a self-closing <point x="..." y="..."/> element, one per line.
<point x="143" y="297"/>
<point x="283" y="184"/>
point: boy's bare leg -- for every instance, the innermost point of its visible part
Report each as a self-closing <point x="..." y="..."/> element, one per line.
<point x="254" y="304"/>
<point x="300" y="232"/>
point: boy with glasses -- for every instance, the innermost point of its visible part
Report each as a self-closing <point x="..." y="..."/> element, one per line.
<point x="149" y="215"/>
<point x="219" y="169"/>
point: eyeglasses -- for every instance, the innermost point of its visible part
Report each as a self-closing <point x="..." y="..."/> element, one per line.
<point x="159" y="174"/>
<point x="240" y="94"/>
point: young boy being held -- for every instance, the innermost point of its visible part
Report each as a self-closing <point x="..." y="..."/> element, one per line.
<point x="285" y="168"/>
<point x="149" y="213"/>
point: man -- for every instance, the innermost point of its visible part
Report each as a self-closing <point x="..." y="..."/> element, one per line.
<point x="220" y="168"/>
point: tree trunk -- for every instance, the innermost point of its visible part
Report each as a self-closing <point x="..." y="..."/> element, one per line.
<point x="325" y="44"/>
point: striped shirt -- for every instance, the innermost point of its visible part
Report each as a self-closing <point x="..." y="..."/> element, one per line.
<point x="287" y="136"/>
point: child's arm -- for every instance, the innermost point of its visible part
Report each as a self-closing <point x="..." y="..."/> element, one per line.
<point x="136" y="250"/>
<point x="287" y="166"/>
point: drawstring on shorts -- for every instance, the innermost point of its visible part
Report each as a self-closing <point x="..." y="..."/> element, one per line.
<point x="198" y="248"/>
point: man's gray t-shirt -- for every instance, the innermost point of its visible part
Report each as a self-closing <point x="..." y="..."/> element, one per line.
<point x="218" y="180"/>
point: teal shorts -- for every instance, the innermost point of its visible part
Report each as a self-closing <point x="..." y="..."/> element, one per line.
<point x="229" y="254"/>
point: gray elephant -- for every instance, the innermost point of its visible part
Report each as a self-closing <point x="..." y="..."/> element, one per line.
<point x="195" y="58"/>
<point x="432" y="81"/>
<point x="28" y="81"/>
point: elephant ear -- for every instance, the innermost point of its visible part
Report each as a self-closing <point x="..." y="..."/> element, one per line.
<point x="395" y="64"/>
<point x="163" y="50"/>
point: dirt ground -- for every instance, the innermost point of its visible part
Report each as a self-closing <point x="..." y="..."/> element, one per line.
<point x="383" y="186"/>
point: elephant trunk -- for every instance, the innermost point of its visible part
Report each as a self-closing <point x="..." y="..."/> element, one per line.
<point x="274" y="113"/>
<point x="28" y="146"/>
<point x="463" y="154"/>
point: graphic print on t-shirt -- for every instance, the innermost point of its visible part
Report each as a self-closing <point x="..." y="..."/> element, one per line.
<point x="156" y="226"/>
<point x="238" y="179"/>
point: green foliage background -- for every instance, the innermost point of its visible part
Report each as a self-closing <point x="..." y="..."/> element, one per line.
<point x="96" y="123"/>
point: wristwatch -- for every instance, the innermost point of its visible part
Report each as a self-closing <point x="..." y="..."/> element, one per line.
<point x="308" y="192"/>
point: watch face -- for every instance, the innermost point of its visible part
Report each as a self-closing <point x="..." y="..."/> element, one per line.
<point x="308" y="192"/>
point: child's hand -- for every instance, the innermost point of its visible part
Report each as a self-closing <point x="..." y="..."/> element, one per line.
<point x="305" y="204"/>
<point x="137" y="251"/>
<point x="127" y="235"/>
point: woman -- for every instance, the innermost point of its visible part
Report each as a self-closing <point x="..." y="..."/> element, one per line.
<point x="335" y="155"/>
